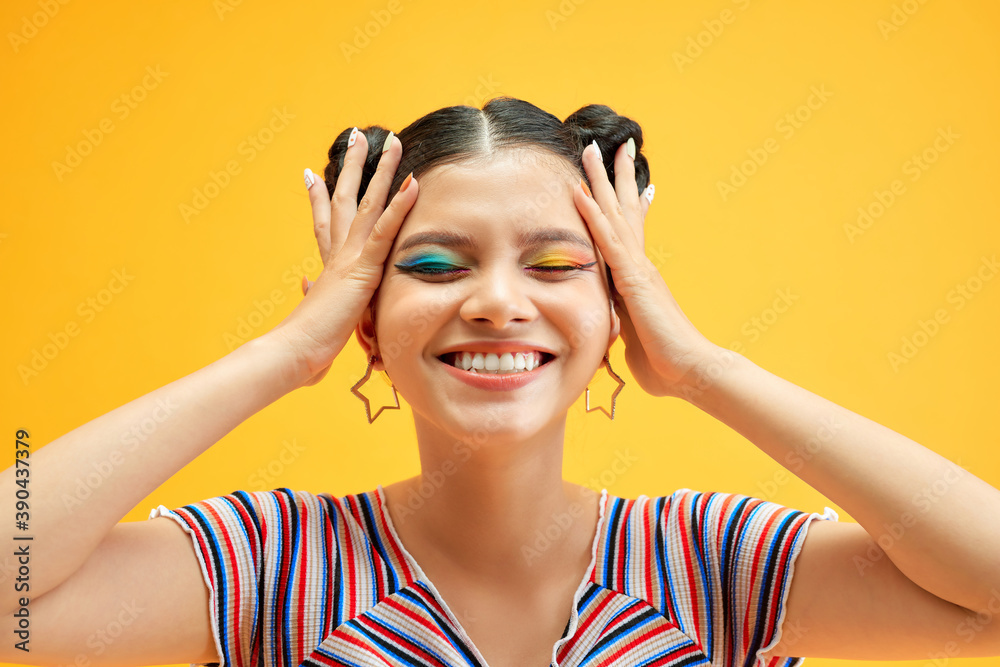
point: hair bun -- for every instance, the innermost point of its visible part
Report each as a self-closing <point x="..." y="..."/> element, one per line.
<point x="600" y="123"/>
<point x="376" y="135"/>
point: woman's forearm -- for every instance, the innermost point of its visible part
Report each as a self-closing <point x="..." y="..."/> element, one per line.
<point x="84" y="482"/>
<point x="939" y="523"/>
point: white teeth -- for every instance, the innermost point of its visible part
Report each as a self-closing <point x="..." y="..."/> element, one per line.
<point x="495" y="364"/>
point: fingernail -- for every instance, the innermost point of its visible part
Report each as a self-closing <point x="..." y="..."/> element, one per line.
<point x="354" y="137"/>
<point x="388" y="142"/>
<point x="630" y="147"/>
<point x="586" y="189"/>
<point x="406" y="183"/>
<point x="598" y="150"/>
<point x="650" y="191"/>
<point x="310" y="178"/>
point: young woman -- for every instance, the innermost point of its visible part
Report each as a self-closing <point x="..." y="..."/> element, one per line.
<point x="493" y="259"/>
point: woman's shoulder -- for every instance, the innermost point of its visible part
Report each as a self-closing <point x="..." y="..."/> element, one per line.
<point x="283" y="505"/>
<point x="685" y="508"/>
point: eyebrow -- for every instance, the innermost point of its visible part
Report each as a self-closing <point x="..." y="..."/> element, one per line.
<point x="525" y="239"/>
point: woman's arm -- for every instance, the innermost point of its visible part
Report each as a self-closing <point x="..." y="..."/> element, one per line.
<point x="86" y="481"/>
<point x="937" y="523"/>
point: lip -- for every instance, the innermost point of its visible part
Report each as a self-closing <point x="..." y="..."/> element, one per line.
<point x="495" y="382"/>
<point x="496" y="347"/>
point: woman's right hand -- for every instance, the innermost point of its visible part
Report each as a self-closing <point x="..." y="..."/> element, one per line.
<point x="354" y="240"/>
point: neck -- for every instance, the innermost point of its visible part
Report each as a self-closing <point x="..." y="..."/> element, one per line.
<point x="499" y="508"/>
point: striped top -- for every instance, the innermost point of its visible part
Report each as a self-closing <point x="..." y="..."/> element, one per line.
<point x="302" y="579"/>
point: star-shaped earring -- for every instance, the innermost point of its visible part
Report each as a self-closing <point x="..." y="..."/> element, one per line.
<point x="368" y="410"/>
<point x="614" y="396"/>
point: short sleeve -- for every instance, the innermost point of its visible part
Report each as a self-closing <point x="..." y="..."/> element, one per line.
<point x="731" y="559"/>
<point x="229" y="533"/>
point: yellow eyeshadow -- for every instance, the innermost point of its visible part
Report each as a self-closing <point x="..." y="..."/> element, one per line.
<point x="554" y="259"/>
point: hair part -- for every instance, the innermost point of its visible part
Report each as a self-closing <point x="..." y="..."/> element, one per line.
<point x="459" y="134"/>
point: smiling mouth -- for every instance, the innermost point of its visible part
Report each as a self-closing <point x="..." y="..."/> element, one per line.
<point x="450" y="359"/>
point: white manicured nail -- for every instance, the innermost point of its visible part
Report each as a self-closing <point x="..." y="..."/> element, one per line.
<point x="310" y="178"/>
<point x="352" y="138"/>
<point x="650" y="191"/>
<point x="597" y="149"/>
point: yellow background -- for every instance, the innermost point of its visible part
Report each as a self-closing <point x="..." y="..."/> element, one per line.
<point x="62" y="236"/>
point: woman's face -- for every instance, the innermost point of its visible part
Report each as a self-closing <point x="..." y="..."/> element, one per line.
<point x="440" y="294"/>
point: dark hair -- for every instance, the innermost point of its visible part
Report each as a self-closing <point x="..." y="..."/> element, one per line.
<point x="462" y="133"/>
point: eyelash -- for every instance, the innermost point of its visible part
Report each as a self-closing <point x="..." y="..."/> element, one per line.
<point x="427" y="269"/>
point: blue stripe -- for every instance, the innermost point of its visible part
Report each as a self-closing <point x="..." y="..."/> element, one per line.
<point x="774" y="549"/>
<point x="221" y="581"/>
<point x="402" y="635"/>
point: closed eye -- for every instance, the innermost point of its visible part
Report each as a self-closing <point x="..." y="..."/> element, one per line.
<point x="553" y="269"/>
<point x="434" y="269"/>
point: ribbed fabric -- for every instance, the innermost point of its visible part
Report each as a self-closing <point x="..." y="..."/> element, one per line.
<point x="295" y="578"/>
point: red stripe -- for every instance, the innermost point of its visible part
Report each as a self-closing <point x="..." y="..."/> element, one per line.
<point x="236" y="584"/>
<point x="354" y="641"/>
<point x="392" y="639"/>
<point x="682" y="526"/>
<point x="352" y="575"/>
<point x="766" y="538"/>
<point x="419" y="619"/>
<point x="647" y="545"/>
<point x="623" y="650"/>
<point x="590" y="619"/>
<point x="395" y="547"/>
<point x="302" y="587"/>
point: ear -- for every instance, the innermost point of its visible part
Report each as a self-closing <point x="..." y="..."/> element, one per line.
<point x="365" y="333"/>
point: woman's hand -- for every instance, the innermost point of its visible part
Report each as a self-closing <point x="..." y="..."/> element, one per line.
<point x="663" y="349"/>
<point x="354" y="241"/>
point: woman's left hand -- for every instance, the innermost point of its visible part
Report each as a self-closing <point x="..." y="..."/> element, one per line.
<point x="663" y="349"/>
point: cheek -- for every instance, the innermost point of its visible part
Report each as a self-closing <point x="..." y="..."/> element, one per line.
<point x="408" y="312"/>
<point x="585" y="327"/>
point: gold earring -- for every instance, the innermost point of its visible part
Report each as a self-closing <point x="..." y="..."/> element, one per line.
<point x="368" y="410"/>
<point x="614" y="396"/>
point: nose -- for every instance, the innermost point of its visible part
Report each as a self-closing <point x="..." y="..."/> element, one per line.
<point x="497" y="297"/>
